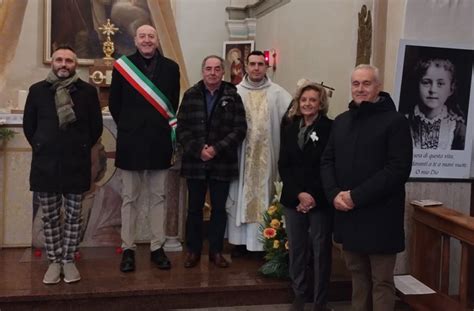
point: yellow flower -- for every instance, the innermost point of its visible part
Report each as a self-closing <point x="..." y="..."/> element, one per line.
<point x="272" y="209"/>
<point x="275" y="223"/>
<point x="276" y="244"/>
<point x="287" y="245"/>
<point x="269" y="233"/>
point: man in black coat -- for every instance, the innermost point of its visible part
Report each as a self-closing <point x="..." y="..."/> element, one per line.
<point x="364" y="169"/>
<point x="211" y="125"/>
<point x="62" y="121"/>
<point x="144" y="138"/>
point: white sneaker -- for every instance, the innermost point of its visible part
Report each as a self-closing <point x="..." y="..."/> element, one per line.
<point x="71" y="274"/>
<point x="53" y="274"/>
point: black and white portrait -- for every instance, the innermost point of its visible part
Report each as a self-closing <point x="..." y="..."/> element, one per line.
<point x="434" y="96"/>
<point x="434" y="89"/>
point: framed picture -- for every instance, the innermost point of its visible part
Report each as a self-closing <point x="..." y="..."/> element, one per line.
<point x="435" y="91"/>
<point x="235" y="54"/>
<point x="76" y="23"/>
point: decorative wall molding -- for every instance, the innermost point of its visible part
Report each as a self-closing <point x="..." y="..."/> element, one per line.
<point x="244" y="29"/>
<point x="258" y="9"/>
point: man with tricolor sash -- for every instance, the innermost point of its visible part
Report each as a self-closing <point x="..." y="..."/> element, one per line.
<point x="144" y="96"/>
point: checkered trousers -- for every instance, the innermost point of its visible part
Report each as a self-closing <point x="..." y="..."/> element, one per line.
<point x="61" y="243"/>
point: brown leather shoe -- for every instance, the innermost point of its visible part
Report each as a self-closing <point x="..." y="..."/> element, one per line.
<point x="192" y="259"/>
<point x="218" y="260"/>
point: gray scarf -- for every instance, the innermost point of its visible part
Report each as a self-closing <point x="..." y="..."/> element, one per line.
<point x="62" y="98"/>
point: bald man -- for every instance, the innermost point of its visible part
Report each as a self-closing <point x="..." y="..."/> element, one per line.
<point x="144" y="95"/>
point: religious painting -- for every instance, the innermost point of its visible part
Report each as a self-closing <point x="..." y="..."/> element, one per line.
<point x="435" y="91"/>
<point x="235" y="55"/>
<point x="76" y="23"/>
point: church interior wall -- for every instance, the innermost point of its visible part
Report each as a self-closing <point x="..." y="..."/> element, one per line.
<point x="202" y="31"/>
<point x="314" y="40"/>
<point x="395" y="19"/>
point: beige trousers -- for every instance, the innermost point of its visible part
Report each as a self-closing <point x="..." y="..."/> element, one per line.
<point x="373" y="288"/>
<point x="151" y="183"/>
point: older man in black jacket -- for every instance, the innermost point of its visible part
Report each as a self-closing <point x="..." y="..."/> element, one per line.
<point x="211" y="125"/>
<point x="143" y="97"/>
<point x="364" y="169"/>
<point x="62" y="121"/>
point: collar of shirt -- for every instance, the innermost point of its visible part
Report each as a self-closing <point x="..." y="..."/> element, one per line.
<point x="211" y="99"/>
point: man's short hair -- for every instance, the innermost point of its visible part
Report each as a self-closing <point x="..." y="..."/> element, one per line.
<point x="374" y="69"/>
<point x="65" y="47"/>
<point x="256" y="52"/>
<point x="212" y="56"/>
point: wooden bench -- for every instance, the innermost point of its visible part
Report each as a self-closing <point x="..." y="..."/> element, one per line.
<point x="430" y="253"/>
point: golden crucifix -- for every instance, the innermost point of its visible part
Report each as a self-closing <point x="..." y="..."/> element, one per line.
<point x="109" y="30"/>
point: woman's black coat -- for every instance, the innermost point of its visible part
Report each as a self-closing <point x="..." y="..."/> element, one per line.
<point x="300" y="169"/>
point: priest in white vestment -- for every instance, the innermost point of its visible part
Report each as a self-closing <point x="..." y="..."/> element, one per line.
<point x="265" y="105"/>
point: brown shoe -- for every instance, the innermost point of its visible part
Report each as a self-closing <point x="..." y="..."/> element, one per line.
<point x="218" y="260"/>
<point x="192" y="259"/>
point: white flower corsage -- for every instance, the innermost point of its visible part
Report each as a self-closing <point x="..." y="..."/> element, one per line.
<point x="314" y="137"/>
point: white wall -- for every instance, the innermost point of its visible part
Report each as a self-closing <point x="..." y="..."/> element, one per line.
<point x="202" y="31"/>
<point x="315" y="40"/>
<point x="395" y="22"/>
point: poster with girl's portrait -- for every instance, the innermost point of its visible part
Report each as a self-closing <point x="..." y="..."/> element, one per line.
<point x="435" y="91"/>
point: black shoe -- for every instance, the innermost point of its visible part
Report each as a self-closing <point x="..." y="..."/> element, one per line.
<point x="298" y="304"/>
<point x="238" y="251"/>
<point x="319" y="307"/>
<point x="128" y="261"/>
<point x="160" y="259"/>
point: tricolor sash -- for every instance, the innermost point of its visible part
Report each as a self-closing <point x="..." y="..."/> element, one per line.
<point x="150" y="91"/>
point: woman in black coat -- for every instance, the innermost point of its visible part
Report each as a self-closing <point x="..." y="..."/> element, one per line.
<point x="306" y="209"/>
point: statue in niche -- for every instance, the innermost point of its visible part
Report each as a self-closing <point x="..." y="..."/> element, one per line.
<point x="364" y="36"/>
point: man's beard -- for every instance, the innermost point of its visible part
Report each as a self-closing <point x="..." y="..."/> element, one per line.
<point x="64" y="74"/>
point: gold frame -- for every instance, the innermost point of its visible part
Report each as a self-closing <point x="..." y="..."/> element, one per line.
<point x="128" y="43"/>
<point x="47" y="52"/>
<point x="242" y="47"/>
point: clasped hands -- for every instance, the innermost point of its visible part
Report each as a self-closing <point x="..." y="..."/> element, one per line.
<point x="307" y="202"/>
<point x="343" y="201"/>
<point x="207" y="153"/>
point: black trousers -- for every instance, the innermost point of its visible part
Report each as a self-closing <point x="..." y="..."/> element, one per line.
<point x="219" y="191"/>
<point x="310" y="232"/>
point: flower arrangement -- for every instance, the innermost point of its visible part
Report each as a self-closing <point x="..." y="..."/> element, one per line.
<point x="274" y="239"/>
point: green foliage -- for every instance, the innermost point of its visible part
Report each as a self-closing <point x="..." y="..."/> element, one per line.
<point x="274" y="239"/>
<point x="6" y="134"/>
